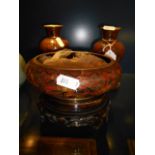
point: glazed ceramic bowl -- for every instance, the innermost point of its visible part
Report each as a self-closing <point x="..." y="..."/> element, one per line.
<point x="83" y="83"/>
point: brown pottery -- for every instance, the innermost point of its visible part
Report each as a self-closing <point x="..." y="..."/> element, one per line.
<point x="109" y="45"/>
<point x="93" y="81"/>
<point x="53" y="41"/>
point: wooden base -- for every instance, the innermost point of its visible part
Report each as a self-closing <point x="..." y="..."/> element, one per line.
<point x="92" y="113"/>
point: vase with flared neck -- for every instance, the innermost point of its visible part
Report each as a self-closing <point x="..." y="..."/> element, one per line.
<point x="53" y="41"/>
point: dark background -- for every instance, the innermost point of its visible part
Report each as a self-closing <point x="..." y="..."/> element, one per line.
<point x="74" y="15"/>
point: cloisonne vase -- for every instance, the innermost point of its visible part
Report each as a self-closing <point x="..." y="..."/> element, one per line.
<point x="109" y="45"/>
<point x="53" y="41"/>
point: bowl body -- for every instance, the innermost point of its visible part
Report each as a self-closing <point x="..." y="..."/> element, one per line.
<point x="93" y="82"/>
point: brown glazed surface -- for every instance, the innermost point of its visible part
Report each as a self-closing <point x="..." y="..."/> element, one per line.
<point x="109" y="37"/>
<point x="53" y="41"/>
<point x="93" y="81"/>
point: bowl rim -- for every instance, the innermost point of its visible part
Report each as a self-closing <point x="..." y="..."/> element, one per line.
<point x="113" y="62"/>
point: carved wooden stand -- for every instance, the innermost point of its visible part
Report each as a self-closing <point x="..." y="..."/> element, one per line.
<point x="75" y="113"/>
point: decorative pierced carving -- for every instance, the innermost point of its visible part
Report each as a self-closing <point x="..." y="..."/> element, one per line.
<point x="93" y="117"/>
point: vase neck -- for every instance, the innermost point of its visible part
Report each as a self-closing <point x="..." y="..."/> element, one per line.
<point x="53" y="30"/>
<point x="110" y="33"/>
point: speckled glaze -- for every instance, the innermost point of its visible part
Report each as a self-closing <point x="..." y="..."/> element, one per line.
<point x="93" y="82"/>
<point x="109" y="37"/>
<point x="53" y="41"/>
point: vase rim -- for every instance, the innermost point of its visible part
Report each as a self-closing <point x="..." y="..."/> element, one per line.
<point x="110" y="28"/>
<point x="52" y="25"/>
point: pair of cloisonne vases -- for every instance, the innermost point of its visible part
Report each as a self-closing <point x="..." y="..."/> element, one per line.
<point x="108" y="45"/>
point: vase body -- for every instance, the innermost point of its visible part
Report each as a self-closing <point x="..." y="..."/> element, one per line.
<point x="109" y="45"/>
<point x="53" y="41"/>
